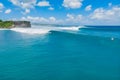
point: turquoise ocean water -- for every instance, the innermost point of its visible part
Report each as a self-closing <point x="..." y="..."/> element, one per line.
<point x="91" y="53"/>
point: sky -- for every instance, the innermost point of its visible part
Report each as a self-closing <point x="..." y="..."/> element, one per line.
<point x="82" y="12"/>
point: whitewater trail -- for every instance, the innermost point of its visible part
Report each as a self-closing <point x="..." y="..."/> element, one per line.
<point x="30" y="30"/>
<point x="44" y="30"/>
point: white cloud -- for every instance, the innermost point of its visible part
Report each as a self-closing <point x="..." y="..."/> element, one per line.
<point x="73" y="4"/>
<point x="100" y="16"/>
<point x="88" y="8"/>
<point x="51" y="8"/>
<point x="70" y="16"/>
<point x="43" y="3"/>
<point x="52" y="19"/>
<point x="106" y="16"/>
<point x="8" y="11"/>
<point x="103" y="14"/>
<point x="75" y="19"/>
<point x="27" y="11"/>
<point x="24" y="4"/>
<point x="1" y="6"/>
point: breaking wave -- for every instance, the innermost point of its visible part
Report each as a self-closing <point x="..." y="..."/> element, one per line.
<point x="44" y="30"/>
<point x="30" y="30"/>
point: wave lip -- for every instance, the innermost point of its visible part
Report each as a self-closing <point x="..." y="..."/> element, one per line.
<point x="69" y="28"/>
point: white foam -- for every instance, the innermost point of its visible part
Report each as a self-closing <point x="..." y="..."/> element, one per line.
<point x="112" y="38"/>
<point x="3" y="29"/>
<point x="30" y="30"/>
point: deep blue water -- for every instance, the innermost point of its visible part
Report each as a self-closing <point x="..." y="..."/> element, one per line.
<point x="87" y="54"/>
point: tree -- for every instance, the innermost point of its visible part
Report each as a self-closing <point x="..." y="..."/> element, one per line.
<point x="0" y="20"/>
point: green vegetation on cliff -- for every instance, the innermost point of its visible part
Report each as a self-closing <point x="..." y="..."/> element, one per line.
<point x="6" y="24"/>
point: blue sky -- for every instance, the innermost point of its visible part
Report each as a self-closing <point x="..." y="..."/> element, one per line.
<point x="83" y="12"/>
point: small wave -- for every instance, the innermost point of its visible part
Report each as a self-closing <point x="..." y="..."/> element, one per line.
<point x="74" y="28"/>
<point x="69" y="28"/>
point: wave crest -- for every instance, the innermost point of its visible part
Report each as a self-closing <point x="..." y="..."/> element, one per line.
<point x="44" y="30"/>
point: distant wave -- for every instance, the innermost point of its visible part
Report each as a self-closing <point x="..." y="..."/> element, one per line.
<point x="69" y="28"/>
<point x="102" y="28"/>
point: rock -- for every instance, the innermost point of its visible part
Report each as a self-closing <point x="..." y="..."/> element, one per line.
<point x="22" y="24"/>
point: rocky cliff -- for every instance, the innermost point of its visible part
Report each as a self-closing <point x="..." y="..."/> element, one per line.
<point x="22" y="24"/>
<point x="14" y="24"/>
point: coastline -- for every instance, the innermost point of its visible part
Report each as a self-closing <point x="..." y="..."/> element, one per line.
<point x="14" y="24"/>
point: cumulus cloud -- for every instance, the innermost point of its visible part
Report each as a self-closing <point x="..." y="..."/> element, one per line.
<point x="73" y="4"/>
<point x="1" y="6"/>
<point x="43" y="3"/>
<point x="76" y="19"/>
<point x="103" y="14"/>
<point x="50" y="20"/>
<point x="8" y="11"/>
<point x="99" y="16"/>
<point x="70" y="16"/>
<point x="34" y="19"/>
<point x="88" y="8"/>
<point x="106" y="16"/>
<point x="24" y="4"/>
<point x="27" y="11"/>
<point x="51" y="8"/>
<point x="27" y="5"/>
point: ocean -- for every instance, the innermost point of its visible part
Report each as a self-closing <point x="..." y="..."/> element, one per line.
<point x="60" y="53"/>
